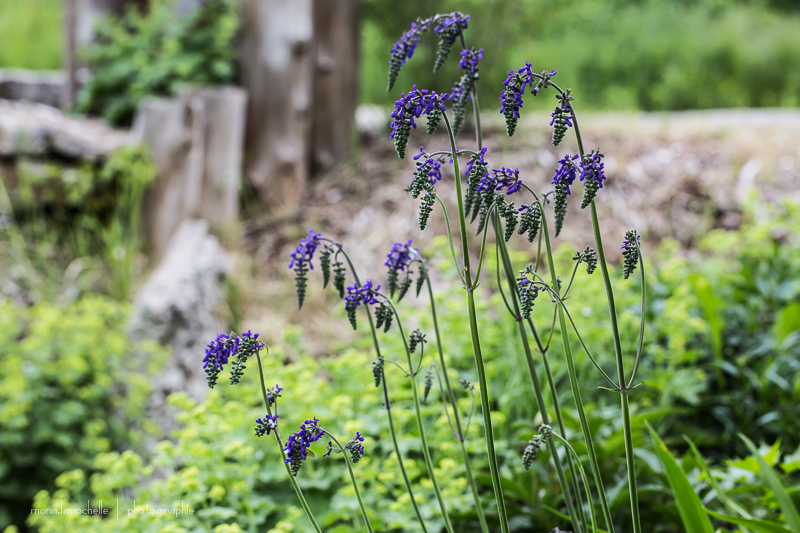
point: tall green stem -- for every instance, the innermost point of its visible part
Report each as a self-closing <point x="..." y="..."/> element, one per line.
<point x="510" y="278"/>
<point x="388" y="406"/>
<point x="353" y="479"/>
<point x="573" y="379"/>
<point x="459" y="430"/>
<point x="476" y="343"/>
<point x="626" y="413"/>
<point x="296" y="487"/>
<point x="421" y="426"/>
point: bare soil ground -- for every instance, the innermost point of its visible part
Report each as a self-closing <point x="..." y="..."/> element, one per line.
<point x="670" y="175"/>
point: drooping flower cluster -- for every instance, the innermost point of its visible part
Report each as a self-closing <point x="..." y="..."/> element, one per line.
<point x="461" y="93"/>
<point x="355" y="447"/>
<point x="477" y="169"/>
<point x="528" y="291"/>
<point x="562" y="117"/>
<point x="588" y="256"/>
<point x="563" y="179"/>
<point x="301" y="262"/>
<point x="630" y="253"/>
<point x="529" y="220"/>
<point x="592" y="175"/>
<point x="220" y="350"/>
<point x="425" y="180"/>
<point x="298" y="443"/>
<point x="357" y="295"/>
<point x="411" y="106"/>
<point x="404" y="49"/>
<point x="490" y="188"/>
<point x="532" y="450"/>
<point x="448" y="29"/>
<point x="398" y="258"/>
<point x="266" y="425"/>
<point x="377" y="370"/>
<point x="416" y="338"/>
<point x="273" y="393"/>
<point x="514" y="87"/>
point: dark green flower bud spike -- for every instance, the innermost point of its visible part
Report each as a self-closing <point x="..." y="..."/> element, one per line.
<point x="380" y="314"/>
<point x="377" y="370"/>
<point x="433" y="120"/>
<point x="300" y="283"/>
<point x="428" y="385"/>
<point x="351" y="315"/>
<point x="426" y="208"/>
<point x="401" y="137"/>
<point x="510" y="216"/>
<point x="530" y="220"/>
<point x="388" y="316"/>
<point x="325" y="265"/>
<point x="420" y="281"/>
<point x="339" y="278"/>
<point x="404" y="286"/>
<point x="446" y="41"/>
<point x="421" y="181"/>
<point x="560" y="204"/>
<point x="529" y="455"/>
<point x="560" y="124"/>
<point x="391" y="282"/>
<point x="471" y="198"/>
<point x="630" y="253"/>
<point x="415" y="339"/>
<point x="590" y="258"/>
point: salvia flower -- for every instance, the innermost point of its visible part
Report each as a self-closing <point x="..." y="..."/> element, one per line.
<point x="223" y="348"/>
<point x="563" y="179"/>
<point x="273" y="393"/>
<point x="507" y="179"/>
<point x="355" y="447"/>
<point x="511" y="96"/>
<point x="592" y="176"/>
<point x="265" y="425"/>
<point x="532" y="450"/>
<point x="461" y="92"/>
<point x="298" y="443"/>
<point x="470" y="59"/>
<point x="448" y="29"/>
<point x="404" y="49"/>
<point x="247" y="346"/>
<point x="383" y="316"/>
<point x="359" y="294"/>
<point x="544" y="81"/>
<point x="377" y="370"/>
<point x="630" y="253"/>
<point x="476" y="170"/>
<point x="401" y="255"/>
<point x="415" y="339"/>
<point x="529" y="220"/>
<point x="409" y="107"/>
<point x="528" y="291"/>
<point x="301" y="262"/>
<point x="562" y="117"/>
<point x="588" y="256"/>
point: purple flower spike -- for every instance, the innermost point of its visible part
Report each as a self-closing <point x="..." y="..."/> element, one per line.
<point x="304" y="251"/>
<point x="363" y="294"/>
<point x="404" y="49"/>
<point x="400" y="255"/>
<point x="567" y="171"/>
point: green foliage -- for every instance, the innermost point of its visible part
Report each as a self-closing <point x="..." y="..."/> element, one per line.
<point x="233" y="479"/>
<point x="32" y="34"/>
<point x="154" y="54"/>
<point x="648" y="55"/>
<point x="71" y="386"/>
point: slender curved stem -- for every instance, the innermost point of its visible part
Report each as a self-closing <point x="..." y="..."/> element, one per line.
<point x="583" y="477"/>
<point x="500" y="283"/>
<point x="494" y="467"/>
<point x="641" y="323"/>
<point x="353" y="479"/>
<point x="421" y="425"/>
<point x="462" y="435"/>
<point x="388" y="404"/>
<point x="503" y="256"/>
<point x="450" y="241"/>
<point x="444" y="401"/>
<point x="295" y="485"/>
<point x="571" y="279"/>
<point x="573" y="379"/>
<point x="483" y="246"/>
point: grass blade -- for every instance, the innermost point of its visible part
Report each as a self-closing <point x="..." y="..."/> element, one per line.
<point x="761" y="526"/>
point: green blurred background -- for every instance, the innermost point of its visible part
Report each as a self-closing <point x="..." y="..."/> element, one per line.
<point x="623" y="54"/>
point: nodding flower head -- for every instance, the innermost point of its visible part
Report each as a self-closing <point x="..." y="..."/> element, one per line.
<point x="355" y="447"/>
<point x="411" y="106"/>
<point x="265" y="425"/>
<point x="470" y="59"/>
<point x="359" y="294"/>
<point x="404" y="49"/>
<point x="562" y="117"/>
<point x="532" y="450"/>
<point x="528" y="291"/>
<point x="220" y="350"/>
<point x="298" y="443"/>
<point x="400" y="255"/>
<point x="273" y="393"/>
<point x="502" y="179"/>
<point x="563" y="179"/>
<point x="448" y="29"/>
<point x="416" y="338"/>
<point x="592" y="175"/>
<point x="630" y="253"/>
<point x="301" y="262"/>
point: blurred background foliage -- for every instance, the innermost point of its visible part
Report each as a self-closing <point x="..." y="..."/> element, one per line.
<point x="32" y="34"/>
<point x="650" y="55"/>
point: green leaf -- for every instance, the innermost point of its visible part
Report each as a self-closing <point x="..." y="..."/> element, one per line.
<point x="692" y="513"/>
<point x="772" y="480"/>
<point x="729" y="504"/>
<point x="762" y="526"/>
